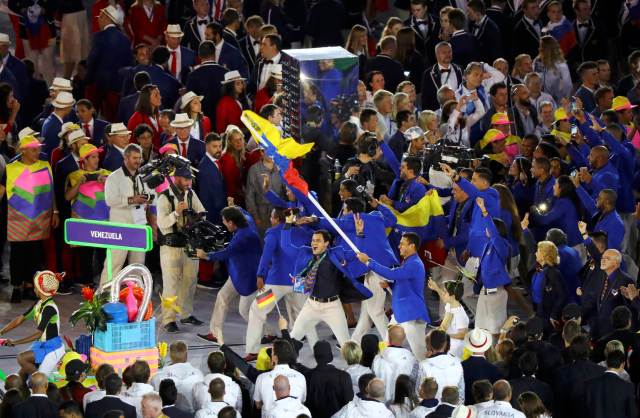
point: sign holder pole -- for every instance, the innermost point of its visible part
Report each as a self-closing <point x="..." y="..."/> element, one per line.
<point x="109" y="266"/>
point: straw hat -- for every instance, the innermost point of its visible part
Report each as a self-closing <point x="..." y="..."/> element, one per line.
<point x="63" y="100"/>
<point x="27" y="132"/>
<point x="61" y="84"/>
<point x="4" y="39"/>
<point x="66" y="128"/>
<point x="76" y="135"/>
<point x="29" y="142"/>
<point x="182" y="120"/>
<point x="477" y="340"/>
<point x="462" y="411"/>
<point x="119" y="129"/>
<point x="621" y="103"/>
<point x="87" y="150"/>
<point x="500" y="118"/>
<point x="47" y="282"/>
<point x="276" y="71"/>
<point x="231" y="76"/>
<point x="111" y="12"/>
<point x="174" y="31"/>
<point x="187" y="98"/>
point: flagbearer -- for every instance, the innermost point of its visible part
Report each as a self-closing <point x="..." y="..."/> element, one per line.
<point x="31" y="214"/>
<point x="407" y="301"/>
<point x="179" y="272"/>
<point x="274" y="283"/>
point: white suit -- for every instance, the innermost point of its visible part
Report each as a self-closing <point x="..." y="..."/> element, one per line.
<point x="391" y="363"/>
<point x="185" y="376"/>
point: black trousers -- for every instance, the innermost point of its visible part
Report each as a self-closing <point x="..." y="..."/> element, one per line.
<point x="25" y="259"/>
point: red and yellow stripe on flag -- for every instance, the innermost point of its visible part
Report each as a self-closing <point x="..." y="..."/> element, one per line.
<point x="265" y="298"/>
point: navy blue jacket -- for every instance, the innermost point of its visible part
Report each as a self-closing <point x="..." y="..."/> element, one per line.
<point x="62" y="169"/>
<point x="407" y="299"/>
<point x="7" y="76"/>
<point x="195" y="149"/>
<point x="242" y="256"/>
<point x="554" y="295"/>
<point x="127" y="107"/>
<point x="210" y="189"/>
<point x="276" y="266"/>
<point x="246" y="48"/>
<point x="50" y="130"/>
<point x="206" y="80"/>
<point x="477" y="368"/>
<point x="191" y="37"/>
<point x="398" y="144"/>
<point x="602" y="307"/>
<point x="466" y="48"/>
<point x="167" y="84"/>
<point x="477" y="234"/>
<point x="490" y="39"/>
<point x="110" y="51"/>
<point x="563" y="215"/>
<point x="392" y="70"/>
<point x="493" y="261"/>
<point x="232" y="59"/>
<point x="460" y="239"/>
<point x="113" y="158"/>
<point x="587" y="97"/>
<point x="98" y="131"/>
<point x="431" y="83"/>
<point x="187" y="61"/>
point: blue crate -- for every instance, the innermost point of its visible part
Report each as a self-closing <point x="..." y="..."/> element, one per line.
<point x="124" y="337"/>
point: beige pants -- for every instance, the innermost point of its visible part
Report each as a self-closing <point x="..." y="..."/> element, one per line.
<point x="313" y="312"/>
<point x="415" y="335"/>
<point x="492" y="310"/>
<point x="226" y="297"/>
<point x="74" y="37"/>
<point x="179" y="277"/>
<point x="258" y="316"/>
<point x="43" y="60"/>
<point x="372" y="309"/>
<point x="118" y="258"/>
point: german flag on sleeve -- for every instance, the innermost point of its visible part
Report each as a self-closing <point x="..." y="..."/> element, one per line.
<point x="265" y="298"/>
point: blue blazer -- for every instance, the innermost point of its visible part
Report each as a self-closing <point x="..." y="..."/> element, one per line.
<point x="603" y="178"/>
<point x="50" y="130"/>
<point x="276" y="266"/>
<point x="398" y="144"/>
<point x="407" y="299"/>
<point x="210" y="189"/>
<point x="127" y="107"/>
<point x="167" y="84"/>
<point x="113" y="158"/>
<point x="340" y="258"/>
<point x="127" y="74"/>
<point x="7" y="76"/>
<point x="544" y="192"/>
<point x="110" y="51"/>
<point x="188" y="61"/>
<point x="375" y="242"/>
<point x="493" y="261"/>
<point x="242" y="256"/>
<point x="19" y="71"/>
<point x="477" y="235"/>
<point x="460" y="240"/>
<point x="206" y="80"/>
<point x="232" y="59"/>
<point x="98" y="131"/>
<point x="62" y="169"/>
<point x="570" y="266"/>
<point x="611" y="223"/>
<point x="195" y="149"/>
<point x="412" y="195"/>
<point x="564" y="215"/>
<point x="466" y="49"/>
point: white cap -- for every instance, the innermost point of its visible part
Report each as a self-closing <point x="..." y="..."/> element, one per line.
<point x="174" y="31"/>
<point x="63" y="100"/>
<point x="61" y="84"/>
<point x="118" y="129"/>
<point x="187" y="98"/>
<point x="181" y="120"/>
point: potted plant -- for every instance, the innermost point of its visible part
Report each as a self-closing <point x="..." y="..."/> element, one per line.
<point x="90" y="310"/>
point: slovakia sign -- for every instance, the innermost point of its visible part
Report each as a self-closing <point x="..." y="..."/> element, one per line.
<point x="110" y="235"/>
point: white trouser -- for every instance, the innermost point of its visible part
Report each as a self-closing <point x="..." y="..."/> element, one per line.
<point x="441" y="275"/>
<point x="258" y="316"/>
<point x="118" y="258"/>
<point x="630" y="241"/>
<point x="312" y="313"/>
<point x="50" y="362"/>
<point x="492" y="310"/>
<point x="468" y="297"/>
<point x="415" y="334"/>
<point x="372" y="309"/>
<point x="179" y="277"/>
<point x="225" y="298"/>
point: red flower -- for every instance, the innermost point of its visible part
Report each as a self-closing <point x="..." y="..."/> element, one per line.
<point x="87" y="293"/>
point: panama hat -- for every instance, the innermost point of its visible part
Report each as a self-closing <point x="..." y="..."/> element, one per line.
<point x="231" y="76"/>
<point x="174" y="31"/>
<point x="187" y="98"/>
<point x="66" y="128"/>
<point x="27" y="132"/>
<point x="111" y="12"/>
<point x="63" y="100"/>
<point x="181" y="120"/>
<point x="462" y="411"/>
<point x="118" y="129"/>
<point x="4" y="39"/>
<point x="76" y="135"/>
<point x="276" y="71"/>
<point x="61" y="84"/>
<point x="477" y="340"/>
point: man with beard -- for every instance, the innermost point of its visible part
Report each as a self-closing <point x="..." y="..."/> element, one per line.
<point x="524" y="113"/>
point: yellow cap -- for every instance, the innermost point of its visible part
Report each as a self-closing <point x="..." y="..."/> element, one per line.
<point x="560" y="114"/>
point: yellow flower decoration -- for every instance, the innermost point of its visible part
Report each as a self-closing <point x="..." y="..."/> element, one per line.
<point x="163" y="347"/>
<point x="169" y="304"/>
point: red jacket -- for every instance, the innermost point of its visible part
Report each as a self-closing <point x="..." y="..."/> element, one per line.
<point x="262" y="98"/>
<point x="138" y="25"/>
<point x="228" y="112"/>
<point x="234" y="176"/>
<point x="136" y="119"/>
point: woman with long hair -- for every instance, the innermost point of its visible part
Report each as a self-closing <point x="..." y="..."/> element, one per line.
<point x="357" y="44"/>
<point x="143" y="136"/>
<point x="522" y="66"/>
<point x="522" y="184"/>
<point x="232" y="102"/>
<point x="553" y="68"/>
<point x="509" y="214"/>
<point x="271" y="89"/>
<point x="146" y="22"/>
<point x="404" y="398"/>
<point x="548" y="291"/>
<point x="147" y="111"/>
<point x="235" y="163"/>
<point x="400" y="102"/>
<point x="370" y="349"/>
<point x="531" y="406"/>
<point x="392" y="27"/>
<point x="456" y="321"/>
<point x="445" y="28"/>
<point x="412" y="61"/>
<point x="191" y="104"/>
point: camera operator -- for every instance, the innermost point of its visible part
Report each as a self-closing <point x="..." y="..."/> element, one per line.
<point x="365" y="167"/>
<point x="128" y="199"/>
<point x="179" y="272"/>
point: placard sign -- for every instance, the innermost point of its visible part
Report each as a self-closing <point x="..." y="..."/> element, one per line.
<point x="109" y="235"/>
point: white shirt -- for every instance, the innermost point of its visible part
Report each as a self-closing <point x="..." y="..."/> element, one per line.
<point x="287" y="408"/>
<point x="200" y="392"/>
<point x="178" y="52"/>
<point x="459" y="321"/>
<point x="582" y="31"/>
<point x="195" y="131"/>
<point x="448" y="78"/>
<point x="421" y="411"/>
<point x="359" y="408"/>
<point x="534" y="25"/>
<point x="501" y="409"/>
<point x="117" y="190"/>
<point x="133" y="395"/>
<point x="391" y="363"/>
<point x="96" y="395"/>
<point x="185" y="376"/>
<point x="446" y="370"/>
<point x="265" y="73"/>
<point x="355" y="372"/>
<point x="212" y="408"/>
<point x="264" y="386"/>
<point x="202" y="28"/>
<point x="256" y="47"/>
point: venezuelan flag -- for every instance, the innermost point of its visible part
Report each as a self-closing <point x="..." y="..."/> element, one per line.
<point x="265" y="298"/>
<point x="417" y="218"/>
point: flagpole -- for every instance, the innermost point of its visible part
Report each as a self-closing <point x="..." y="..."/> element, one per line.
<point x="335" y="226"/>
